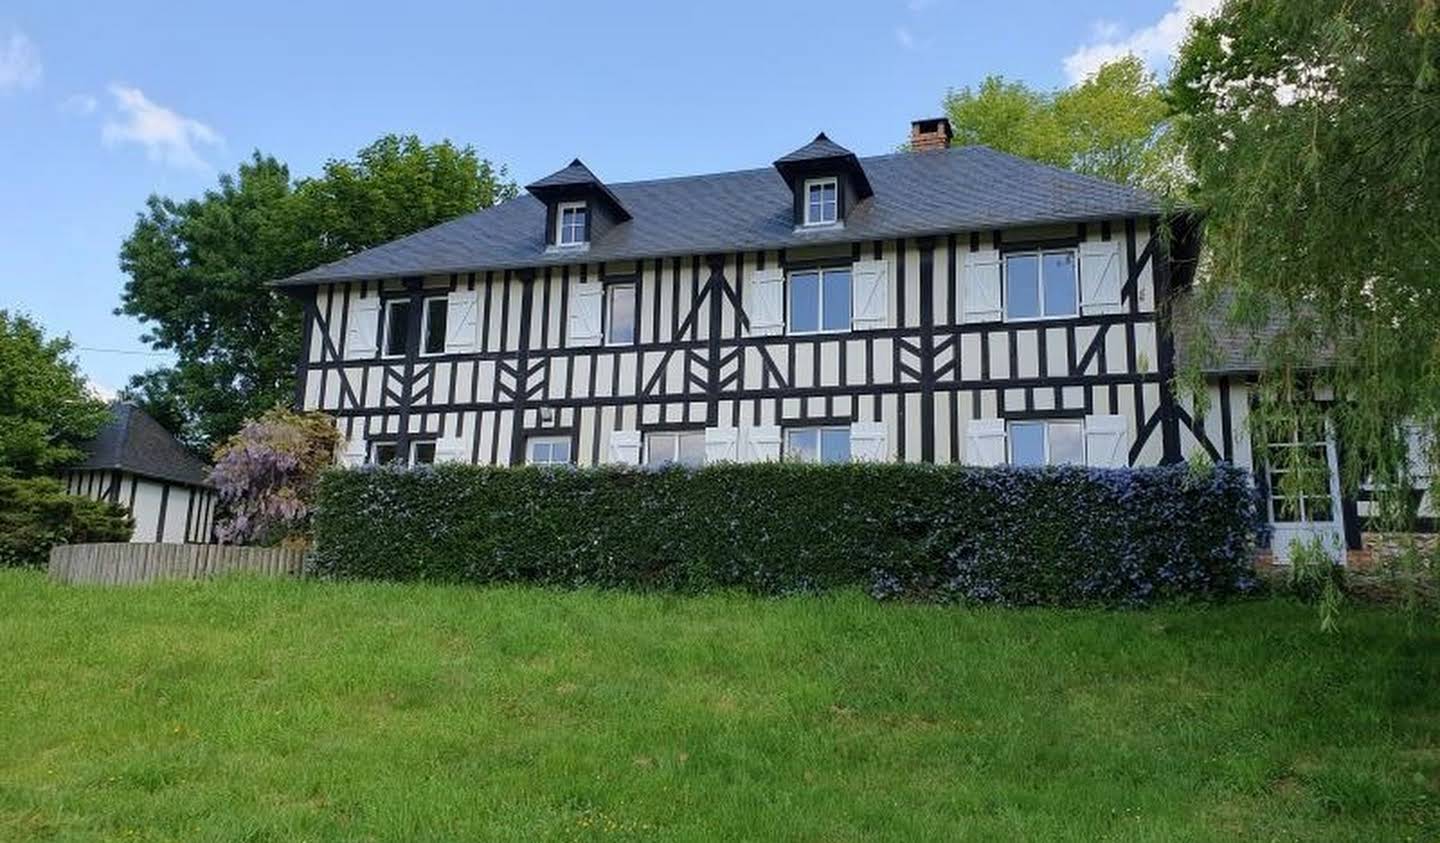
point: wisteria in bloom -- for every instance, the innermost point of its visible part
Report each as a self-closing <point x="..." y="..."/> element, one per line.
<point x="265" y="475"/>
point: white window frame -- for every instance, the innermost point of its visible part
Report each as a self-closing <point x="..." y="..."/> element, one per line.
<point x="674" y="436"/>
<point x="819" y="430"/>
<point x="819" y="273"/>
<point x="560" y="227"/>
<point x="1047" y="424"/>
<point x="1332" y="483"/>
<point x="385" y="327"/>
<point x="551" y="441"/>
<point x="425" y="323"/>
<point x="1039" y="255"/>
<point x="609" y="319"/>
<point x="810" y="184"/>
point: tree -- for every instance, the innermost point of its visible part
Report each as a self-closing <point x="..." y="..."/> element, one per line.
<point x="36" y="513"/>
<point x="1310" y="130"/>
<point x="266" y="474"/>
<point x="1112" y="125"/>
<point x="46" y="410"/>
<point x="198" y="268"/>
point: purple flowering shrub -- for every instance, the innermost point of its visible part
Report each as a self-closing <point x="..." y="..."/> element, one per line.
<point x="265" y="475"/>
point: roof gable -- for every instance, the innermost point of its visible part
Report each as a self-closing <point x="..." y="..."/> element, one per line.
<point x="133" y="441"/>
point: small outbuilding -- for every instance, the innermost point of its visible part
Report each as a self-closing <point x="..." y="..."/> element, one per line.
<point x="136" y="463"/>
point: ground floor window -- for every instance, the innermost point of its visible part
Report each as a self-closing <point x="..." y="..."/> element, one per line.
<point x="1300" y="469"/>
<point x="1047" y="443"/>
<point x="422" y="453"/>
<point x="682" y="447"/>
<point x="547" y="450"/>
<point x="384" y="453"/>
<point x="817" y="444"/>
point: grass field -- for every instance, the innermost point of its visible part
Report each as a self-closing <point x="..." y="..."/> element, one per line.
<point x="265" y="710"/>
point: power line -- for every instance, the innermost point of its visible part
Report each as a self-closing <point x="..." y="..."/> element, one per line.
<point x="95" y="350"/>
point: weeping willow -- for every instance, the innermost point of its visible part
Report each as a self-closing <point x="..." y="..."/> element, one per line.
<point x="1312" y="132"/>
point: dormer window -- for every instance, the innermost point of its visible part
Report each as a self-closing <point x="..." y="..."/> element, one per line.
<point x="571" y="222"/>
<point x="822" y="201"/>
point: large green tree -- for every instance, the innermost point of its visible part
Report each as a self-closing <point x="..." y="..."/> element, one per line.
<point x="46" y="410"/>
<point x="198" y="267"/>
<point x="1312" y="134"/>
<point x="1112" y="125"/>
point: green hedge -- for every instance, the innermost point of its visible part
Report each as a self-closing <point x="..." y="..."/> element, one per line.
<point x="37" y="513"/>
<point x="1017" y="536"/>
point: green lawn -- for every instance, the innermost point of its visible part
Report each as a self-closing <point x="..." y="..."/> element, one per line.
<point x="266" y="710"/>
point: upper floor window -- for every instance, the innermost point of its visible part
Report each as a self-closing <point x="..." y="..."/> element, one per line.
<point x="1041" y="284"/>
<point x="820" y="300"/>
<point x="547" y="450"/>
<point x="434" y="311"/>
<point x="620" y="315"/>
<point x="683" y="447"/>
<point x="818" y="444"/>
<point x="571" y="221"/>
<point x="822" y="201"/>
<point x="1047" y="443"/>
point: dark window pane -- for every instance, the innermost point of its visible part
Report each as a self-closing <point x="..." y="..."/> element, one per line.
<point x="1027" y="443"/>
<point x="1319" y="509"/>
<point x="385" y="453"/>
<point x="621" y="327"/>
<point x="1060" y="291"/>
<point x="424" y="453"/>
<point x="837" y="300"/>
<point x="805" y="302"/>
<point x="436" y="310"/>
<point x="1022" y="286"/>
<point x="834" y="445"/>
<point x="397" y="327"/>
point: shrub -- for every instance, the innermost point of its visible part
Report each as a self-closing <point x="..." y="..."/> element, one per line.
<point x="265" y="475"/>
<point x="36" y="514"/>
<point x="1003" y="535"/>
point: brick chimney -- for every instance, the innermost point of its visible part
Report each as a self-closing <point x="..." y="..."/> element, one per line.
<point x="930" y="133"/>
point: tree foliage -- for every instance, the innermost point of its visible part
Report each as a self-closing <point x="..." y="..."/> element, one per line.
<point x="36" y="513"/>
<point x="1112" y="125"/>
<point x="265" y="475"/>
<point x="198" y="268"/>
<point x="46" y="410"/>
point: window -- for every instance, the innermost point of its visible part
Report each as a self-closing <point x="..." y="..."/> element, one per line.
<point x="817" y="444"/>
<point x="822" y="202"/>
<point x="548" y="450"/>
<point x="397" y="327"/>
<point x="1298" y="461"/>
<point x="570" y="222"/>
<point x="685" y="447"/>
<point x="1041" y="284"/>
<point x="433" y="330"/>
<point x="820" y="301"/>
<point x="1047" y="443"/>
<point x="422" y="453"/>
<point x="384" y="453"/>
<point x="620" y="320"/>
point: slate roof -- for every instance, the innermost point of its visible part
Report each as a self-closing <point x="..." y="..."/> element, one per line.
<point x="136" y="443"/>
<point x="1206" y="333"/>
<point x="820" y="148"/>
<point x="916" y="194"/>
<point x="574" y="173"/>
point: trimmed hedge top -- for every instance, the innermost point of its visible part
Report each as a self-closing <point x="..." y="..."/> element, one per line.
<point x="1064" y="535"/>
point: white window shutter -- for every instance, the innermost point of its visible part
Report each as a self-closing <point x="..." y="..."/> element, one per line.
<point x="625" y="447"/>
<point x="353" y="452"/>
<point x="980" y="286"/>
<point x="985" y="442"/>
<point x="451" y="449"/>
<point x="721" y="444"/>
<point x="765" y="302"/>
<point x="586" y="303"/>
<point x="360" y="330"/>
<point x="1100" y="277"/>
<point x="762" y="443"/>
<point x="462" y="322"/>
<point x="869" y="442"/>
<point x="1106" y="441"/>
<point x="870" y="293"/>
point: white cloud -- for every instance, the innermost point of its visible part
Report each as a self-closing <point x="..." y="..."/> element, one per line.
<point x="1155" y="44"/>
<point x="99" y="390"/>
<point x="19" y="63"/>
<point x="79" y="105"/>
<point x="167" y="137"/>
<point x="904" y="38"/>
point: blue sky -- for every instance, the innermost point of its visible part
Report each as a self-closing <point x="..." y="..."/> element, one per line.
<point x="103" y="104"/>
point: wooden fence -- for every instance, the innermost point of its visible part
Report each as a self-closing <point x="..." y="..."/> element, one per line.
<point x="120" y="563"/>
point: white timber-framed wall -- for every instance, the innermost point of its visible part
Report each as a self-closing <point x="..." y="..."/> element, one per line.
<point x="164" y="510"/>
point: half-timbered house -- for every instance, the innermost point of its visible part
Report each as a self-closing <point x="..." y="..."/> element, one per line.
<point x="936" y="305"/>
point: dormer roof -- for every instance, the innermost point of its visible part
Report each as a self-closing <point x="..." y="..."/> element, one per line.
<point x="574" y="181"/>
<point x="823" y="156"/>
